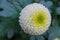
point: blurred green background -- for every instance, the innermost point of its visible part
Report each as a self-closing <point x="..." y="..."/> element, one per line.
<point x="9" y="16"/>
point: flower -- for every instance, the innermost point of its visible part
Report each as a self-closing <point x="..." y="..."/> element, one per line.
<point x="35" y="19"/>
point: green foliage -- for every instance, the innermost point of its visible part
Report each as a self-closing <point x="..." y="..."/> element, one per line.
<point x="36" y="37"/>
<point x="55" y="34"/>
<point x="9" y="20"/>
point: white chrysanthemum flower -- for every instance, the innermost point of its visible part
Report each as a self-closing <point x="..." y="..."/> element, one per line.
<point x="35" y="19"/>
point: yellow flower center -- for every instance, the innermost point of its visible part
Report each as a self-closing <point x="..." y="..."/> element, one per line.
<point x="39" y="18"/>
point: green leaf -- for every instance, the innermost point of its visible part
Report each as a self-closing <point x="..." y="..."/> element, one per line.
<point x="36" y="37"/>
<point x="53" y="26"/>
<point x="22" y="34"/>
<point x="10" y="33"/>
<point x="39" y="37"/>
<point x="48" y="4"/>
<point x="23" y="3"/>
<point x="58" y="10"/>
<point x="55" y="23"/>
<point x="15" y="5"/>
<point x="3" y="38"/>
<point x="3" y="27"/>
<point x="8" y="23"/>
<point x="32" y="38"/>
<point x="9" y="10"/>
<point x="55" y="34"/>
<point x="37" y="1"/>
<point x="1" y="9"/>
